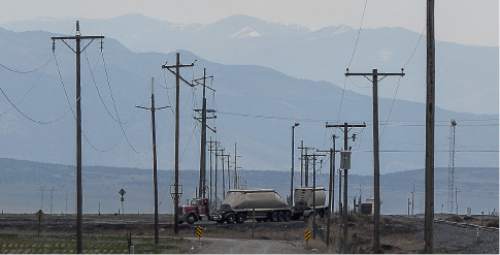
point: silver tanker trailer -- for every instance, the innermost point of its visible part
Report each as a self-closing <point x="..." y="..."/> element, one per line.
<point x="260" y="204"/>
<point x="267" y="205"/>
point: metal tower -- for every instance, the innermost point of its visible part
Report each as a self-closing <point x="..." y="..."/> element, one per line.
<point x="451" y="169"/>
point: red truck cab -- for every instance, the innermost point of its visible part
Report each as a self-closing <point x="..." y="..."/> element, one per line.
<point x="195" y="211"/>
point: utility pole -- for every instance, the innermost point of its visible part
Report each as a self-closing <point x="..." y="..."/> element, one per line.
<point x="211" y="189"/>
<point x="203" y="143"/>
<point x="223" y="156"/>
<point x="375" y="77"/>
<point x="304" y="178"/>
<point x="345" y="164"/>
<point x="235" y="183"/>
<point x="175" y="69"/>
<point x="314" y="157"/>
<point x="228" y="172"/>
<point x="301" y="162"/>
<point x="340" y="192"/>
<point x="413" y="200"/>
<point x="429" y="131"/>
<point x="451" y="167"/>
<point x="51" y="199"/>
<point x="331" y="188"/>
<point x="78" y="38"/>
<point x="216" y="177"/>
<point x="293" y="163"/>
<point x="153" y="110"/>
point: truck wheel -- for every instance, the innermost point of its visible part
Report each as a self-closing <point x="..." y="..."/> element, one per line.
<point x="191" y="219"/>
<point x="240" y="218"/>
<point x="276" y="216"/>
<point x="287" y="216"/>
<point x="230" y="219"/>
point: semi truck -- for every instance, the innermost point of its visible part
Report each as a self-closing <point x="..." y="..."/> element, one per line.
<point x="267" y="205"/>
<point x="259" y="204"/>
<point x="194" y="211"/>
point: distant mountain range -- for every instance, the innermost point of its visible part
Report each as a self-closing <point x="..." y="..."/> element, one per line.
<point x="22" y="182"/>
<point x="466" y="75"/>
<point x="256" y="107"/>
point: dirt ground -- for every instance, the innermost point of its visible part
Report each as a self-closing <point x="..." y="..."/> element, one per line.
<point x="108" y="234"/>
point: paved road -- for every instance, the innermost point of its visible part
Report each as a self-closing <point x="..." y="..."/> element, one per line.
<point x="241" y="246"/>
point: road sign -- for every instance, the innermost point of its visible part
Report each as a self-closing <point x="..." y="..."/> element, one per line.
<point x="198" y="231"/>
<point x="307" y="234"/>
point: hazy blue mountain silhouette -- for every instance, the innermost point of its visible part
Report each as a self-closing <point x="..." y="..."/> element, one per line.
<point x="263" y="142"/>
<point x="321" y="54"/>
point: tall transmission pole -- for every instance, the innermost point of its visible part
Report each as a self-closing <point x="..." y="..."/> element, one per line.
<point x="78" y="38"/>
<point x="203" y="143"/>
<point x="314" y="156"/>
<point x="345" y="164"/>
<point x="153" y="110"/>
<point x="51" y="200"/>
<point x="331" y="187"/>
<point x="211" y="148"/>
<point x="301" y="163"/>
<point x="451" y="168"/>
<point x="293" y="163"/>
<point x="235" y="182"/>
<point x="429" y="131"/>
<point x="175" y="69"/>
<point x="375" y="77"/>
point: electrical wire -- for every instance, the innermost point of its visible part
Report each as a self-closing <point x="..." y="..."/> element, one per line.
<point x="35" y="84"/>
<point x="70" y="107"/>
<point x="26" y="71"/>
<point x="25" y="115"/>
<point x="98" y="91"/>
<point x="356" y="41"/>
<point x="354" y="50"/>
<point x="114" y="105"/>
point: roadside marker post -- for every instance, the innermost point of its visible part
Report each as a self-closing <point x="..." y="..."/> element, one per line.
<point x="307" y="236"/>
<point x="198" y="232"/>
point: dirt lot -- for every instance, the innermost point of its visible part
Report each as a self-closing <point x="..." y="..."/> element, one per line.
<point x="108" y="234"/>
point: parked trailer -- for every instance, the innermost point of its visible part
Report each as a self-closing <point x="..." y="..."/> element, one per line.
<point x="259" y="204"/>
<point x="303" y="202"/>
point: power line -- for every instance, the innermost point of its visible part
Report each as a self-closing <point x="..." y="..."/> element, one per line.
<point x="98" y="91"/>
<point x="70" y="107"/>
<point x="356" y="41"/>
<point x="114" y="105"/>
<point x="25" y="115"/>
<point x="355" y="48"/>
<point x="26" y="71"/>
<point x="390" y="123"/>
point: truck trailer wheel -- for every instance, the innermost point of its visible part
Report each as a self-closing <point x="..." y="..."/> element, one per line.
<point x="240" y="218"/>
<point x="276" y="216"/>
<point x="191" y="219"/>
<point x="230" y="218"/>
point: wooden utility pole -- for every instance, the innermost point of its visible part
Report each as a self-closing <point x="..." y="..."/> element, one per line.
<point x="340" y="192"/>
<point x="235" y="182"/>
<point x="375" y="76"/>
<point x="346" y="127"/>
<point x="331" y="188"/>
<point x="304" y="168"/>
<point x="293" y="163"/>
<point x="203" y="143"/>
<point x="211" y="148"/>
<point x="429" y="131"/>
<point x="175" y="69"/>
<point x="78" y="38"/>
<point x="223" y="156"/>
<point x="301" y="162"/>
<point x="314" y="157"/>
<point x="153" y="110"/>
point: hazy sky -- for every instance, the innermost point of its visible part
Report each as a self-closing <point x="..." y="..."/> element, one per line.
<point x="465" y="21"/>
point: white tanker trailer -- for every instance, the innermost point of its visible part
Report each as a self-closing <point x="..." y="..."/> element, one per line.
<point x="261" y="204"/>
<point x="267" y="205"/>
